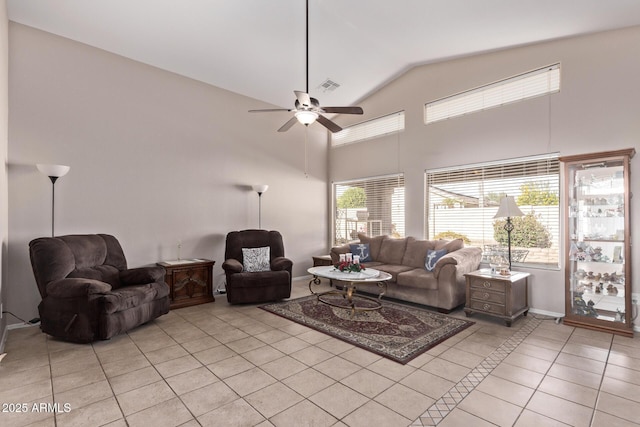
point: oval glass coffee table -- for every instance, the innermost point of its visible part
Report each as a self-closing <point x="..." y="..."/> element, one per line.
<point x="351" y="281"/>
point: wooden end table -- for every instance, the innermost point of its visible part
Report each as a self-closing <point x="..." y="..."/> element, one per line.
<point x="506" y="297"/>
<point x="190" y="281"/>
<point x="321" y="260"/>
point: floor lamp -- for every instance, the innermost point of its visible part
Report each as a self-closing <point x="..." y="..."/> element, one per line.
<point x="508" y="209"/>
<point x="53" y="172"/>
<point x="260" y="189"/>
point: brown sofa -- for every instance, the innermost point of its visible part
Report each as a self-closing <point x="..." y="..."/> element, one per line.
<point x="404" y="259"/>
<point x="87" y="291"/>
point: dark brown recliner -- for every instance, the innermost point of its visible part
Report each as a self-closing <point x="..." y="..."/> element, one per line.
<point x="262" y="286"/>
<point x="87" y="291"/>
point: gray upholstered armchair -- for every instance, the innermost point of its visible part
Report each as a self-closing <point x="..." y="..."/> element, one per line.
<point x="270" y="280"/>
<point x="87" y="291"/>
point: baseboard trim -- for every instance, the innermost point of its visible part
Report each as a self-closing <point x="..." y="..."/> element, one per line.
<point x="546" y="313"/>
<point x="22" y="325"/>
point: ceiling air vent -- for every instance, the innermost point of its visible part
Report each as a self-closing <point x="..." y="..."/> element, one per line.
<point x="328" y="86"/>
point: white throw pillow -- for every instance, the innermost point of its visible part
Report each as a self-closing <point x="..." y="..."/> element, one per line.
<point x="256" y="259"/>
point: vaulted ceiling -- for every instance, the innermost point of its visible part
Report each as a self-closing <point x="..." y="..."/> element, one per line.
<point x="257" y="47"/>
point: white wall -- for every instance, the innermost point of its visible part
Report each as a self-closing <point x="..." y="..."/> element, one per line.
<point x="4" y="192"/>
<point x="597" y="110"/>
<point x="155" y="158"/>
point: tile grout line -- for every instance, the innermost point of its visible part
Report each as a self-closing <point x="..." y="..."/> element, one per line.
<point x="443" y="406"/>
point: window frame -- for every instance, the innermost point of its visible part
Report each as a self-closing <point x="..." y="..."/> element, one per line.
<point x="555" y="228"/>
<point x="384" y="229"/>
<point x="509" y="90"/>
<point x="373" y="128"/>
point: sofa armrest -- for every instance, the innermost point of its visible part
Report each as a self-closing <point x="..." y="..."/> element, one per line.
<point x="76" y="287"/>
<point x="142" y="275"/>
<point x="466" y="260"/>
<point x="281" y="263"/>
<point x="336" y="251"/>
<point x="231" y="266"/>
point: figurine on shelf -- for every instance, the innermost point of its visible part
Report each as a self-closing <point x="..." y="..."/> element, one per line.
<point x="597" y="254"/>
<point x="619" y="315"/>
<point x="582" y="308"/>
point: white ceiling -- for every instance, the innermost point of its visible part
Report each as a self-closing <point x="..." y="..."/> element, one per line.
<point x="257" y="47"/>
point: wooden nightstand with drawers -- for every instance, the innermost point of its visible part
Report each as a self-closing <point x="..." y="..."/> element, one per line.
<point x="500" y="296"/>
<point x="190" y="281"/>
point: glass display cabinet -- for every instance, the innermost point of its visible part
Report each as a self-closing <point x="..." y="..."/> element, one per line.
<point x="598" y="250"/>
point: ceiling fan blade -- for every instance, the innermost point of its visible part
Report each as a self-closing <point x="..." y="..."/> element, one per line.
<point x="343" y="110"/>
<point x="328" y="124"/>
<point x="270" y="109"/>
<point x="285" y="127"/>
<point x="303" y="98"/>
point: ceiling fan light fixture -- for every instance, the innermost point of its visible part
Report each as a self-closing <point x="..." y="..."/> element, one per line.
<point x="306" y="117"/>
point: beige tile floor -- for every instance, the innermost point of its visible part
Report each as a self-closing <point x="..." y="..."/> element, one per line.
<point x="222" y="365"/>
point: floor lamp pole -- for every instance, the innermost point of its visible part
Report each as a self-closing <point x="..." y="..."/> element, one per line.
<point x="260" y="210"/>
<point x="53" y="203"/>
<point x="509" y="228"/>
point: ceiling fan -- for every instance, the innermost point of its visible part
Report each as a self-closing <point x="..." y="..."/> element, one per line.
<point x="308" y="109"/>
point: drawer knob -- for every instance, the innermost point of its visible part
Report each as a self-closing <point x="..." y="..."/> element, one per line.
<point x="486" y="307"/>
<point x="485" y="295"/>
<point x="486" y="284"/>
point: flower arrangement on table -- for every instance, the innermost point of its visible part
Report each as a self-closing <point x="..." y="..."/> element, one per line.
<point x="348" y="264"/>
<point x="349" y="267"/>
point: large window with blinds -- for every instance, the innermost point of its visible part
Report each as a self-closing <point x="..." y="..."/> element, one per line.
<point x="374" y="206"/>
<point x="374" y="128"/>
<point x="461" y="202"/>
<point x="534" y="83"/>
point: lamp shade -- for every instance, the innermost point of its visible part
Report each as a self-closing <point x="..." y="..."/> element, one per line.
<point x="260" y="188"/>
<point x="53" y="170"/>
<point x="508" y="208"/>
<point x="306" y="117"/>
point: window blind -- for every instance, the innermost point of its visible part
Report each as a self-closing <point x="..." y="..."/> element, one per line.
<point x="374" y="206"/>
<point x="370" y="129"/>
<point x="528" y="85"/>
<point x="462" y="202"/>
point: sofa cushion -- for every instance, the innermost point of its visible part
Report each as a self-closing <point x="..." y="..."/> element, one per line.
<point x="362" y="250"/>
<point x="88" y="250"/>
<point x="449" y="245"/>
<point x="392" y="251"/>
<point x="103" y="273"/>
<point x="433" y="257"/>
<point x="375" y="243"/>
<point x="393" y="269"/>
<point x="372" y="264"/>
<point x="128" y="297"/>
<point x="416" y="252"/>
<point x="418" y="278"/>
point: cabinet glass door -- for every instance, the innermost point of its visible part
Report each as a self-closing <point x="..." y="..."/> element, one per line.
<point x="597" y="230"/>
<point x="597" y="248"/>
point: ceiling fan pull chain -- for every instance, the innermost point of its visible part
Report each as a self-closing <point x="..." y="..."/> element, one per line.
<point x="306" y="161"/>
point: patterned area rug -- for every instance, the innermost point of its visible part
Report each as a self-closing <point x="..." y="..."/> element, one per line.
<point x="398" y="332"/>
